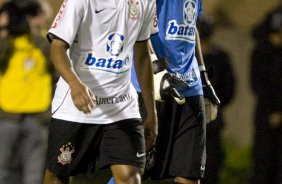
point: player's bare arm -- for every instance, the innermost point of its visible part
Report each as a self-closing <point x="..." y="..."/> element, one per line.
<point x="199" y="50"/>
<point x="211" y="100"/>
<point x="82" y="97"/>
<point x="144" y="74"/>
<point x="207" y="86"/>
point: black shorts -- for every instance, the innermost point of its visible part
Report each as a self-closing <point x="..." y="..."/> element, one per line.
<point x="180" y="144"/>
<point x="75" y="148"/>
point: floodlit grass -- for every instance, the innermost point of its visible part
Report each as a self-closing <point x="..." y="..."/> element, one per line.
<point x="237" y="166"/>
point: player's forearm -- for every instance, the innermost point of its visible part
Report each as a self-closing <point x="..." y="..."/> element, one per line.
<point x="61" y="62"/>
<point x="144" y="74"/>
<point x="146" y="84"/>
<point x="199" y="54"/>
<point x="200" y="58"/>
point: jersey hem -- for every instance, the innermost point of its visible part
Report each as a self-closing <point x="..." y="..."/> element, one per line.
<point x="94" y="121"/>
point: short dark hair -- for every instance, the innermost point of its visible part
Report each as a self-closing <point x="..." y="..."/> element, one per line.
<point x="31" y="7"/>
<point x="17" y="22"/>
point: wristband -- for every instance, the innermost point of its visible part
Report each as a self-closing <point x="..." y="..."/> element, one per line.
<point x="202" y="68"/>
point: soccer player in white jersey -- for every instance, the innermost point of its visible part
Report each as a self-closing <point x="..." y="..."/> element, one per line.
<point x="95" y="116"/>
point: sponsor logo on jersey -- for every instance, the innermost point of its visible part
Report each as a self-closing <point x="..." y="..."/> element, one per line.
<point x="133" y="9"/>
<point x="60" y="14"/>
<point x="190" y="11"/>
<point x="190" y="77"/>
<point x="113" y="63"/>
<point x="185" y="30"/>
<point x="99" y="11"/>
<point x="113" y="100"/>
<point x="115" y="44"/>
<point x="107" y="64"/>
<point x="66" y="154"/>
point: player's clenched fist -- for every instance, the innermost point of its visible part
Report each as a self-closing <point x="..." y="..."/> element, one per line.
<point x="82" y="97"/>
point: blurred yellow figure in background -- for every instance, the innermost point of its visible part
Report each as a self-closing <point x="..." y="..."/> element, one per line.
<point x="25" y="97"/>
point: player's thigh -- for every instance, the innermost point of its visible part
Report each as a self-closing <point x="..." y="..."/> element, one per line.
<point x="188" y="155"/>
<point x="72" y="147"/>
<point x="123" y="144"/>
<point x="124" y="173"/>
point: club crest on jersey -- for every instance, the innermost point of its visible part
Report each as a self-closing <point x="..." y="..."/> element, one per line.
<point x="66" y="154"/>
<point x="133" y="9"/>
<point x="29" y="64"/>
<point x="185" y="30"/>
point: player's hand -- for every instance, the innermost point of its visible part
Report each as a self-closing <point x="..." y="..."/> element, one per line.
<point x="150" y="131"/>
<point x="211" y="110"/>
<point x="166" y="84"/>
<point x="82" y="97"/>
<point x="212" y="102"/>
<point x="150" y="162"/>
<point x="209" y="92"/>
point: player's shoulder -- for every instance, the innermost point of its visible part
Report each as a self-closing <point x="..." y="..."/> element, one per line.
<point x="148" y="2"/>
<point x="149" y="5"/>
<point x="75" y="4"/>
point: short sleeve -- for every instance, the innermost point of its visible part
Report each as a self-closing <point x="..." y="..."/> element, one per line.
<point x="150" y="25"/>
<point x="67" y="21"/>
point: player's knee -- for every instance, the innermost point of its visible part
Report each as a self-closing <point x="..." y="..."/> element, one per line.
<point x="127" y="174"/>
<point x="51" y="178"/>
<point x="180" y="180"/>
<point x="128" y="177"/>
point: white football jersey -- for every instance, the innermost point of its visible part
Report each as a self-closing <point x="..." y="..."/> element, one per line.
<point x="101" y="35"/>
